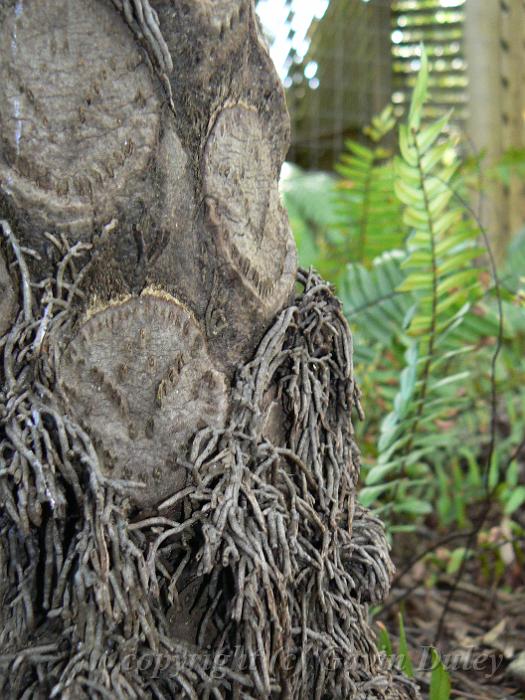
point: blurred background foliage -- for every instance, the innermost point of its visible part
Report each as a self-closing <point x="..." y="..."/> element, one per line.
<point x="405" y="187"/>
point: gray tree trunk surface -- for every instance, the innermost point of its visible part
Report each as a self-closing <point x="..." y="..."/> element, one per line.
<point x="177" y="464"/>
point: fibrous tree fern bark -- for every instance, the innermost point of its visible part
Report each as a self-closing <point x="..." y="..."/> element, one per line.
<point x="177" y="466"/>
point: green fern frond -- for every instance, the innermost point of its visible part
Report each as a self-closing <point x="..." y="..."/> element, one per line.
<point x="372" y="301"/>
<point x="444" y="281"/>
<point x="368" y="216"/>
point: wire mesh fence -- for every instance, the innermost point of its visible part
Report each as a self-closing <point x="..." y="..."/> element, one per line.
<point x="342" y="61"/>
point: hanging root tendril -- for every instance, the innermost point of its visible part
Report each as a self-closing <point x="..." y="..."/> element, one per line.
<point x="143" y="21"/>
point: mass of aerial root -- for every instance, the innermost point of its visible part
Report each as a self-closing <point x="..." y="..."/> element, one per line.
<point x="266" y="533"/>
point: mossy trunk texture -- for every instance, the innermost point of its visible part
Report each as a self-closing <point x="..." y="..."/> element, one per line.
<point x="177" y="463"/>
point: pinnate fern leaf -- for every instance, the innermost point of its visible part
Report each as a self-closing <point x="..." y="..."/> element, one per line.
<point x="444" y="281"/>
<point x="368" y="215"/>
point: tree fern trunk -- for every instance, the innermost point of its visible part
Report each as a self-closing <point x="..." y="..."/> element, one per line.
<point x="167" y="474"/>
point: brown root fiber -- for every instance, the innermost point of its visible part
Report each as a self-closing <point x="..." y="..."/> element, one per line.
<point x="257" y="588"/>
